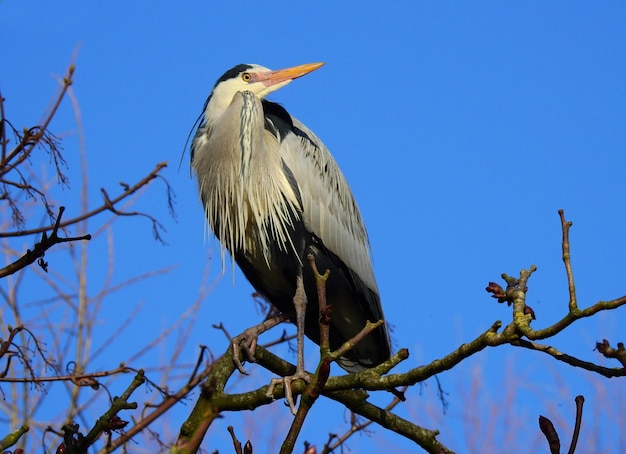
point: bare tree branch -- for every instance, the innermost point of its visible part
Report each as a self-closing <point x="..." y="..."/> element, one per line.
<point x="40" y="249"/>
<point x="108" y="205"/>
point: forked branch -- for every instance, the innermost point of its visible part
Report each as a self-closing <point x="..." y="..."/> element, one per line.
<point x="38" y="252"/>
<point x="352" y="390"/>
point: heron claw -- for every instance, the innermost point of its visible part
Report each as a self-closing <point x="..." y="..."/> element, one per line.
<point x="286" y="382"/>
<point x="244" y="345"/>
<point x="246" y="342"/>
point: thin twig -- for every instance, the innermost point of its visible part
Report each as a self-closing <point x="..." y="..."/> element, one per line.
<point x="236" y="442"/>
<point x="571" y="360"/>
<point x="324" y="309"/>
<point x="351" y="343"/>
<point x="28" y="142"/>
<point x="580" y="400"/>
<point x="40" y="248"/>
<point x="565" y="226"/>
<point x="129" y="190"/>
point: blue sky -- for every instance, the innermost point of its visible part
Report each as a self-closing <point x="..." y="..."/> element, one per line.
<point x="461" y="127"/>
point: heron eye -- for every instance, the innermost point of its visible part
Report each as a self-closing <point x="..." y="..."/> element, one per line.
<point x="246" y="77"/>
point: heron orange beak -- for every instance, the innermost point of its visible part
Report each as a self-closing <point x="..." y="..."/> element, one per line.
<point x="288" y="74"/>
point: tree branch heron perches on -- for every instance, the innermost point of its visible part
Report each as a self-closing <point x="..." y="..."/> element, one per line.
<point x="272" y="194"/>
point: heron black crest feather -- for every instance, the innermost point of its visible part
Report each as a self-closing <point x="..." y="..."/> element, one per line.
<point x="232" y="73"/>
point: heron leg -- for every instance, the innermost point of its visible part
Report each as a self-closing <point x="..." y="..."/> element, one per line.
<point x="299" y="301"/>
<point x="247" y="340"/>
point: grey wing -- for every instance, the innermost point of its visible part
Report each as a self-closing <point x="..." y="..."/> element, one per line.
<point x="329" y="208"/>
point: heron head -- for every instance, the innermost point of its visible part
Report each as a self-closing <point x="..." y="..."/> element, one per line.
<point x="254" y="78"/>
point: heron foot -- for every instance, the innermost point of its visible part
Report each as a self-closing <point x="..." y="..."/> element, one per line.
<point x="286" y="382"/>
<point x="246" y="342"/>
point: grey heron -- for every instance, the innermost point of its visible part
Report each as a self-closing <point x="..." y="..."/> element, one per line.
<point x="272" y="194"/>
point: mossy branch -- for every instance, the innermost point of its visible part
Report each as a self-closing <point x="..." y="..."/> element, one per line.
<point x="352" y="390"/>
<point x="12" y="438"/>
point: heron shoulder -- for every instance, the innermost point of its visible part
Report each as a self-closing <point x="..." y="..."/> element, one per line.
<point x="329" y="209"/>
